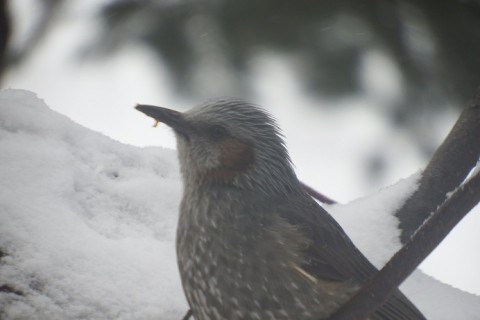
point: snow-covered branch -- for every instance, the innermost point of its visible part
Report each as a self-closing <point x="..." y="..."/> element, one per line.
<point x="374" y="293"/>
<point x="449" y="166"/>
<point x="424" y="223"/>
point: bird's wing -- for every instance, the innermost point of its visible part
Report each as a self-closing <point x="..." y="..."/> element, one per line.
<point x="331" y="255"/>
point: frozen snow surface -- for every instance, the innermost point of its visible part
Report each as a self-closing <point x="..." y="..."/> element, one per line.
<point x="87" y="225"/>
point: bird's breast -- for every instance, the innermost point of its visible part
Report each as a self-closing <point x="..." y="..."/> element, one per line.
<point x="238" y="267"/>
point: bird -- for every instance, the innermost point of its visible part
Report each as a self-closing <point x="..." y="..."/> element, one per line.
<point x="251" y="244"/>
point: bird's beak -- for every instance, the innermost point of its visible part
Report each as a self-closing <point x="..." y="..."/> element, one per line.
<point x="171" y="118"/>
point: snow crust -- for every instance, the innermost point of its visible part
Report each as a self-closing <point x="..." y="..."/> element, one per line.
<point x="87" y="225"/>
<point x="370" y="223"/>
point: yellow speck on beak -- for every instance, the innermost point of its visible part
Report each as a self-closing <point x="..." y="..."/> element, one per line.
<point x="155" y="124"/>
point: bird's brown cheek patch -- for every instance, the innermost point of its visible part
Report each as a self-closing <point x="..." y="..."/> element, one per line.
<point x="235" y="158"/>
<point x="236" y="155"/>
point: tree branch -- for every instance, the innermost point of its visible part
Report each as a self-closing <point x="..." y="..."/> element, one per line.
<point x="5" y="33"/>
<point x="188" y="315"/>
<point x="449" y="166"/>
<point x="375" y="292"/>
<point x="317" y="195"/>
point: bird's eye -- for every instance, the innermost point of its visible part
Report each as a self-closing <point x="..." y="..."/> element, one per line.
<point x="218" y="132"/>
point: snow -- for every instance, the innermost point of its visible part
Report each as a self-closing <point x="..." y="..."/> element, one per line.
<point x="360" y="216"/>
<point x="87" y="225"/>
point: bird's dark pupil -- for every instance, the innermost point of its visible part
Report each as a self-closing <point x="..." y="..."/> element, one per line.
<point x="218" y="132"/>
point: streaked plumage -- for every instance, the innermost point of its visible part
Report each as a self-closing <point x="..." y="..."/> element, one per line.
<point x="250" y="243"/>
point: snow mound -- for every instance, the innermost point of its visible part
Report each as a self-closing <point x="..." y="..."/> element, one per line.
<point x="87" y="225"/>
<point x="363" y="215"/>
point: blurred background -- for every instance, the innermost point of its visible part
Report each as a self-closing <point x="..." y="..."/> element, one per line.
<point x="364" y="90"/>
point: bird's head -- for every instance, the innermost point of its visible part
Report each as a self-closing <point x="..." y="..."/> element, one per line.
<point x="229" y="142"/>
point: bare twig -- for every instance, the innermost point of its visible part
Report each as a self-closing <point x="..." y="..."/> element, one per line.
<point x="317" y="195"/>
<point x="449" y="166"/>
<point x="188" y="315"/>
<point x="374" y="293"/>
<point x="5" y="32"/>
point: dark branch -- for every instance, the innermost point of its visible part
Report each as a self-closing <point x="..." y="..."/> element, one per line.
<point x="449" y="166"/>
<point x="375" y="292"/>
<point x="188" y="315"/>
<point x="317" y="195"/>
<point x="5" y="32"/>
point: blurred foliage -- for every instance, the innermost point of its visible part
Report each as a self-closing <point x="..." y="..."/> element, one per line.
<point x="212" y="47"/>
<point x="435" y="44"/>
